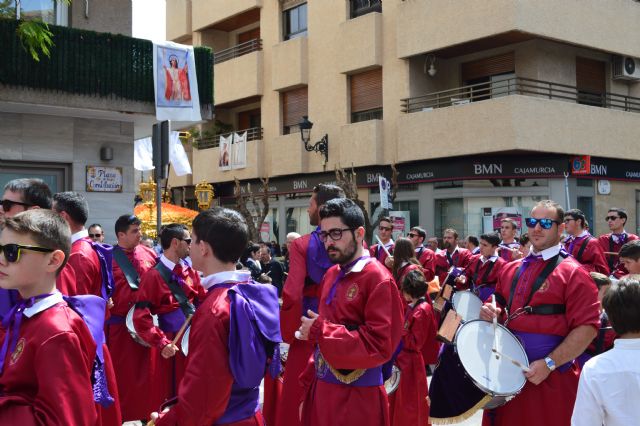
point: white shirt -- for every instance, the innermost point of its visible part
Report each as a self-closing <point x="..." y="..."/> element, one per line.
<point x="609" y="389"/>
<point x="226" y="276"/>
<point x="79" y="235"/>
<point x="547" y="253"/>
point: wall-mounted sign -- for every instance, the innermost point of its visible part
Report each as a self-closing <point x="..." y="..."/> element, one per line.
<point x="604" y="187"/>
<point x="104" y="179"/>
<point x="581" y="165"/>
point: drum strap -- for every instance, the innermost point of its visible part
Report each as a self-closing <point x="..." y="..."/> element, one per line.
<point x="127" y="268"/>
<point x="485" y="276"/>
<point x="610" y="258"/>
<point x="582" y="248"/>
<point x="548" y="269"/>
<point x="177" y="291"/>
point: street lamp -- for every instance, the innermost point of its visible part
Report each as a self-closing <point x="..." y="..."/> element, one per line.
<point x="321" y="146"/>
<point x="204" y="194"/>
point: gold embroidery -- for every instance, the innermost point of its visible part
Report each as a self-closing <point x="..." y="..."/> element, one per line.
<point x="352" y="292"/>
<point x="18" y="351"/>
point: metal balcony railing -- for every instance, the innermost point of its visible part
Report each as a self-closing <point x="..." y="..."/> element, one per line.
<point x="238" y="50"/>
<point x="93" y="64"/>
<point x="519" y="86"/>
<point x="253" y="134"/>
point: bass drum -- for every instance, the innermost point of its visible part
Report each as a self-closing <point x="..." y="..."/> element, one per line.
<point x="392" y="383"/>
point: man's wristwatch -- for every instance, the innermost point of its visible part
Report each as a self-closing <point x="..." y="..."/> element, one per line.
<point x="550" y="364"/>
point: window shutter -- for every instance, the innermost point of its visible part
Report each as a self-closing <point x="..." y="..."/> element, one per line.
<point x="591" y="75"/>
<point x="294" y="106"/>
<point x="486" y="67"/>
<point x="289" y="4"/>
<point x="366" y="90"/>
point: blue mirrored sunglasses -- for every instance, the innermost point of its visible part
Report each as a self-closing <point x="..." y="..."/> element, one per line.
<point x="544" y="223"/>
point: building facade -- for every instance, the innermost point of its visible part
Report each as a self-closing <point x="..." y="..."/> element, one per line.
<point x="483" y="107"/>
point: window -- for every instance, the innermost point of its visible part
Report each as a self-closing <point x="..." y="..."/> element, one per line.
<point x="49" y="11"/>
<point x="294" y="106"/>
<point x="591" y="81"/>
<point x="295" y="22"/>
<point x="249" y="119"/>
<point x="362" y="7"/>
<point x="366" y="95"/>
<point x="496" y="72"/>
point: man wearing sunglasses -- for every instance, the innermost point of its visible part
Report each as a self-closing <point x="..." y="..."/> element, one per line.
<point x="549" y="301"/>
<point x="96" y="233"/>
<point x="356" y="330"/>
<point x="24" y="194"/>
<point x="613" y="241"/>
<point x="581" y="244"/>
<point x="308" y="262"/>
<point x="425" y="256"/>
<point x="170" y="290"/>
<point x="385" y="229"/>
<point x="134" y="364"/>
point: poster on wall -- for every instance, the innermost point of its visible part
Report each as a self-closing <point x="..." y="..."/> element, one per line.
<point x="492" y="217"/>
<point x="224" y="156"/>
<point x="239" y="150"/>
<point x="401" y="223"/>
<point x="175" y="83"/>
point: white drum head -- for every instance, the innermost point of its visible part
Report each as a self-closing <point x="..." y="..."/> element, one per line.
<point x="392" y="383"/>
<point x="498" y="377"/>
<point x="184" y="343"/>
<point x="467" y="305"/>
<point x="132" y="328"/>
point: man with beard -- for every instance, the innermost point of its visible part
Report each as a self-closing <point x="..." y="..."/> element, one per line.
<point x="581" y="245"/>
<point x="308" y="262"/>
<point x="550" y="303"/>
<point x="452" y="255"/>
<point x="356" y="330"/>
<point x="612" y="242"/>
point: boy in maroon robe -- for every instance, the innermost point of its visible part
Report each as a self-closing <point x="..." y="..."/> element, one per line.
<point x="581" y="245"/>
<point x="612" y="242"/>
<point x="48" y="354"/>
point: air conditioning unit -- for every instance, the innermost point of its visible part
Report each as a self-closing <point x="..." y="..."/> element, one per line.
<point x="625" y="68"/>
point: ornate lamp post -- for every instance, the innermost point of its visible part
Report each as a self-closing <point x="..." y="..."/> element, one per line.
<point x="204" y="195"/>
<point x="322" y="146"/>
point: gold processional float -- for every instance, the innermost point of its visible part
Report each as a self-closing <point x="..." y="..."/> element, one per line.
<point x="147" y="213"/>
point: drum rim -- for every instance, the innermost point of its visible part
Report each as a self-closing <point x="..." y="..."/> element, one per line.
<point x="184" y="341"/>
<point x="131" y="327"/>
<point x="395" y="371"/>
<point x="480" y="386"/>
<point x="453" y="303"/>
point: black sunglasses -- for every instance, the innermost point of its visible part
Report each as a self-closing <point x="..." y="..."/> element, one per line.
<point x="607" y="219"/>
<point x="8" y="204"/>
<point x="187" y="240"/>
<point x="12" y="251"/>
<point x="544" y="223"/>
<point x="95" y="235"/>
<point x="411" y="235"/>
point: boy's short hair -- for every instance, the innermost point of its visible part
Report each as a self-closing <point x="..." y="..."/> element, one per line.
<point x="47" y="228"/>
<point x="35" y="192"/>
<point x="344" y="208"/>
<point x="325" y="192"/>
<point x="621" y="302"/>
<point x="600" y="279"/>
<point x="512" y="222"/>
<point x="421" y="232"/>
<point x="473" y="240"/>
<point x="577" y="215"/>
<point x="630" y="250"/>
<point x="74" y="204"/>
<point x="415" y="284"/>
<point x="550" y="204"/>
<point x="125" y="221"/>
<point x="620" y="212"/>
<point x="492" y="238"/>
<point x="171" y="231"/>
<point x="524" y="239"/>
<point x="225" y="230"/>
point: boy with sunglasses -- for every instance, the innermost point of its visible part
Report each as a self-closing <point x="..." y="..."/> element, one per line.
<point x="377" y="251"/>
<point x="308" y="262"/>
<point x="48" y="354"/>
<point x="356" y="330"/>
<point x="613" y="241"/>
<point x="550" y="303"/>
<point x="170" y="290"/>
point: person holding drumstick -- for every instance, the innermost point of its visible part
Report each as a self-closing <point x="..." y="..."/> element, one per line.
<point x="550" y="302"/>
<point x="484" y="268"/>
<point x="356" y="330"/>
<point x="383" y="251"/>
<point x="451" y="256"/>
<point x="234" y="332"/>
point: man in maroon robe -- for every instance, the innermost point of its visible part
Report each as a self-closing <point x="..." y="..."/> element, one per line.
<point x="612" y="242"/>
<point x="581" y="244"/>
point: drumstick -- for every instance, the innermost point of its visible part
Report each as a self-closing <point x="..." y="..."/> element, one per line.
<point x="182" y="329"/>
<point x="511" y="360"/>
<point x="383" y="246"/>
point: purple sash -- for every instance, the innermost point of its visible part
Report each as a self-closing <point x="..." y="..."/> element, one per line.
<point x="105" y="255"/>
<point x="317" y="258"/>
<point x="243" y="404"/>
<point x="116" y="319"/>
<point x="538" y="346"/>
<point x="371" y="377"/>
<point x="8" y="299"/>
<point x="171" y="321"/>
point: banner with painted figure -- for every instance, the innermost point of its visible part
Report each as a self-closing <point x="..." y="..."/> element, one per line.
<point x="239" y="145"/>
<point x="175" y="83"/>
<point x="401" y="221"/>
<point x="224" y="157"/>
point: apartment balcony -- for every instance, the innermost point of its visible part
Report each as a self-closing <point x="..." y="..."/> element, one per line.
<point x="238" y="72"/>
<point x="206" y="156"/>
<point x="224" y="15"/>
<point x="361" y="143"/>
<point x="364" y="49"/>
<point x="518" y="114"/>
<point x="452" y="28"/>
<point x="100" y="74"/>
<point x="290" y="64"/>
<point x="178" y="19"/>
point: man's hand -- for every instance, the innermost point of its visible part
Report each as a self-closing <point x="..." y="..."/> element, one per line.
<point x="538" y="372"/>
<point x="110" y="303"/>
<point x="461" y="279"/>
<point x="488" y="313"/>
<point x="305" y="326"/>
<point x="388" y="262"/>
<point x="169" y="350"/>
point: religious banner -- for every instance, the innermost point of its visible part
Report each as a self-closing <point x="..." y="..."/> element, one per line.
<point x="239" y="145"/>
<point x="401" y="223"/>
<point x="175" y="83"/>
<point x="224" y="157"/>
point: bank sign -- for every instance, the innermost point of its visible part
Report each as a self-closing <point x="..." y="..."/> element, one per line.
<point x="606" y="168"/>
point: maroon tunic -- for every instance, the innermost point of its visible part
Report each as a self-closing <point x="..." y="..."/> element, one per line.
<point x="377" y="252"/>
<point x="367" y="301"/>
<point x="616" y="268"/>
<point x="480" y="274"/>
<point x="460" y="257"/>
<point x="588" y="251"/>
<point x="427" y="259"/>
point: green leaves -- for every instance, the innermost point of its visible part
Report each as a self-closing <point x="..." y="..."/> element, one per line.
<point x="35" y="38"/>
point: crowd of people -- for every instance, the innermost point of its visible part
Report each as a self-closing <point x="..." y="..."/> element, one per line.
<point x="184" y="330"/>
